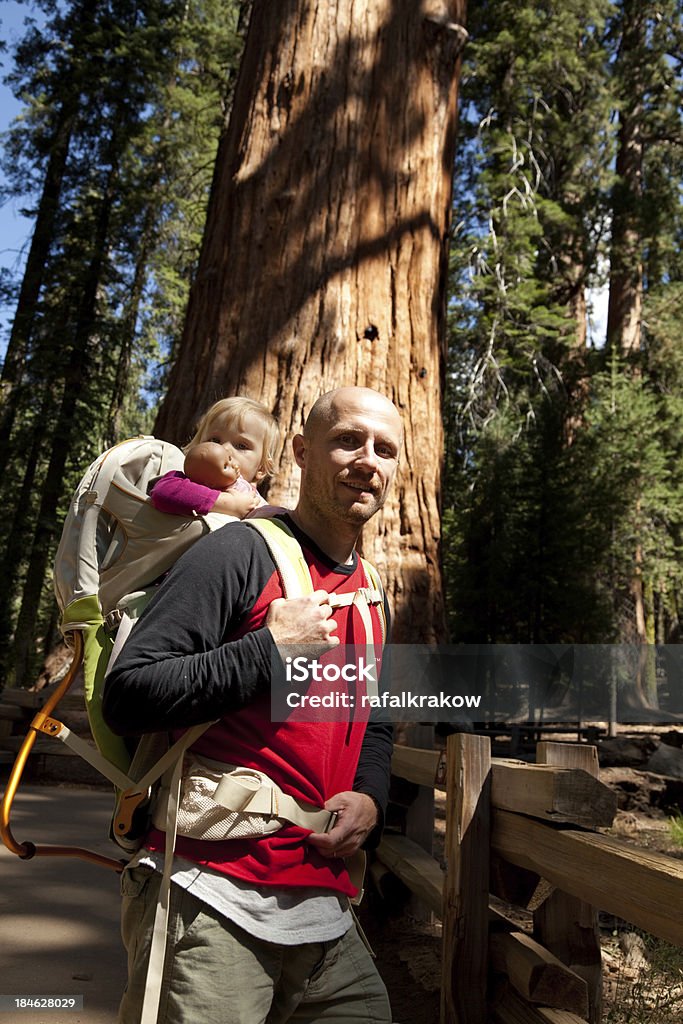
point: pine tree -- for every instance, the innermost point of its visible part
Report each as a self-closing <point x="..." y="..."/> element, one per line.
<point x="576" y="528"/>
<point x="533" y="170"/>
<point x="144" y="133"/>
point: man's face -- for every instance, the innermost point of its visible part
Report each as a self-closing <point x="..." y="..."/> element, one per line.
<point x="349" y="459"/>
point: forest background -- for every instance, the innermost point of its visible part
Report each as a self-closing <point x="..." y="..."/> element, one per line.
<point x="562" y="498"/>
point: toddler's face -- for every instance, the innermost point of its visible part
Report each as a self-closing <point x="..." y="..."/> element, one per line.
<point x="244" y="444"/>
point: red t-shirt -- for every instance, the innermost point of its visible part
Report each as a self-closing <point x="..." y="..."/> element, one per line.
<point x="311" y="761"/>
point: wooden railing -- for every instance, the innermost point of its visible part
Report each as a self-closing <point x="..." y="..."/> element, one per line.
<point x="528" y="835"/>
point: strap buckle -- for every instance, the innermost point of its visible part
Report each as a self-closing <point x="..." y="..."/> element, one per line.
<point x="112" y="620"/>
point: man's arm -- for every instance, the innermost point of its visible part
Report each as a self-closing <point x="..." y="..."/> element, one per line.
<point x="373" y="774"/>
<point x="180" y="665"/>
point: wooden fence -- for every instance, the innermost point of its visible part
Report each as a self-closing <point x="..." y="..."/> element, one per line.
<point x="528" y="834"/>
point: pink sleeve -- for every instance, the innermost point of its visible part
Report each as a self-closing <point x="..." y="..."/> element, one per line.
<point x="175" y="494"/>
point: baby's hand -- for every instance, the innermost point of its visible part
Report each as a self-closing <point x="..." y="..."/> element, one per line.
<point x="236" y="503"/>
<point x="243" y="501"/>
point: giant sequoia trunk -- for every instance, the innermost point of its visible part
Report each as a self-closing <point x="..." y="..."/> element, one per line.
<point x="324" y="257"/>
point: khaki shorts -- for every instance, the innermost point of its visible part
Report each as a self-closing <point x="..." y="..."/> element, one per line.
<point x="216" y="973"/>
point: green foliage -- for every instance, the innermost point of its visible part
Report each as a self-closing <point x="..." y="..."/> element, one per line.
<point x="676" y="827"/>
<point x="112" y="154"/>
<point x="563" y="488"/>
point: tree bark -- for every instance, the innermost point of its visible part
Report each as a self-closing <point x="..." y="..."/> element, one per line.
<point x="32" y="281"/>
<point x="18" y="529"/>
<point x="76" y="373"/>
<point x="624" y="313"/>
<point x="325" y="254"/>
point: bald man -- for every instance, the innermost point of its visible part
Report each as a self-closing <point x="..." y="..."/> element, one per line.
<point x="260" y="928"/>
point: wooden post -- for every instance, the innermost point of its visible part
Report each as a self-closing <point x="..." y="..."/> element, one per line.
<point x="420" y="814"/>
<point x="565" y="925"/>
<point x="466" y="889"/>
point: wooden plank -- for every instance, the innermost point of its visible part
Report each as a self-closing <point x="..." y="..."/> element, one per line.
<point x="512" y="884"/>
<point x="509" y="1008"/>
<point x="641" y="886"/>
<point x="419" y="766"/>
<point x="466" y="895"/>
<point x="499" y="922"/>
<point x="23" y="698"/>
<point x="12" y="713"/>
<point x="565" y="924"/>
<point x="537" y="975"/>
<point x="569" y="755"/>
<point x="415" y="868"/>
<point x="558" y="794"/>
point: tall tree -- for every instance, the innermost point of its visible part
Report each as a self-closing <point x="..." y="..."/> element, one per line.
<point x="648" y="89"/>
<point x="126" y="104"/>
<point x="532" y="168"/>
<point x="324" y="256"/>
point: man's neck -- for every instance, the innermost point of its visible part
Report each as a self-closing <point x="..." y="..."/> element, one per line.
<point x="338" y="544"/>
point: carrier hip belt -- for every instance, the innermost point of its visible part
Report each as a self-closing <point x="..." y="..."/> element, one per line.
<point x="221" y="801"/>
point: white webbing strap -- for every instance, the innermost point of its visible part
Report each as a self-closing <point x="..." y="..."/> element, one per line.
<point x="362" y="599"/>
<point x="249" y="795"/>
<point x="173" y="754"/>
<point x="91" y="754"/>
<point x="125" y="625"/>
<point x="157" y="952"/>
<point x="370" y="595"/>
<point x="136" y="790"/>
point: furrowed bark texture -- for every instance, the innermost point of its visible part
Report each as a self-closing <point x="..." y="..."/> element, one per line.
<point x="624" y="314"/>
<point x="325" y="253"/>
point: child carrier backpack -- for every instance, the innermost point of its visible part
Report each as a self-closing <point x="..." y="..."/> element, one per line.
<point x="114" y="548"/>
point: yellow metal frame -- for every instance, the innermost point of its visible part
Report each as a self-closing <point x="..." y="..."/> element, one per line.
<point x="28" y="850"/>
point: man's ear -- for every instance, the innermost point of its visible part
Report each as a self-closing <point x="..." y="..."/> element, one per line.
<point x="299" y="450"/>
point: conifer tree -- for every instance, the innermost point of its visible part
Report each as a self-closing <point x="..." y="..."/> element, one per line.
<point x="534" y="167"/>
<point x="645" y="217"/>
<point x="145" y="86"/>
<point x="540" y="428"/>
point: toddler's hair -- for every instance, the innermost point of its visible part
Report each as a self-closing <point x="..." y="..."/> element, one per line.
<point x="233" y="411"/>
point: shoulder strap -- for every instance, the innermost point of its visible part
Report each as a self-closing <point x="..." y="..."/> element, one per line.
<point x="376" y="584"/>
<point x="296" y="576"/>
<point x="286" y="552"/>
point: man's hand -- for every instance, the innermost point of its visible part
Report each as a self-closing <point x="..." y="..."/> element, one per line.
<point x="356" y="818"/>
<point x="297" y="621"/>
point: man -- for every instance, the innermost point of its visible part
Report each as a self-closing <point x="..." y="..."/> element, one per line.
<point x="260" y="929"/>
